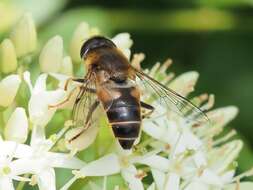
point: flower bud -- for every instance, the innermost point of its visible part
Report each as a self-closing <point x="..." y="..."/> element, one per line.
<point x="67" y="67"/>
<point x="82" y="33"/>
<point x="51" y="55"/>
<point x="123" y="42"/>
<point x="83" y="141"/>
<point x="8" y="89"/>
<point x="185" y="83"/>
<point x="24" y="36"/>
<point x="16" y="128"/>
<point x="8" y="58"/>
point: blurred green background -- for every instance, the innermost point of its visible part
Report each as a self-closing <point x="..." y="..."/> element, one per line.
<point x="213" y="37"/>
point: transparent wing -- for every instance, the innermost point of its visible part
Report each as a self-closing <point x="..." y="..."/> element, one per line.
<point x="86" y="106"/>
<point x="171" y="100"/>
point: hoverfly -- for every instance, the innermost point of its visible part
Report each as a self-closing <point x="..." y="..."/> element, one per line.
<point x="111" y="82"/>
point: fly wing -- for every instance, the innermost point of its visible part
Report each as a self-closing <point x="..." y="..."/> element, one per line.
<point x="85" y="111"/>
<point x="171" y="100"/>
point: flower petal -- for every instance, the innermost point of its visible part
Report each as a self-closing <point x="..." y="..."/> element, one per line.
<point x="46" y="180"/>
<point x="8" y="89"/>
<point x="16" y="128"/>
<point x="39" y="112"/>
<point x="83" y="141"/>
<point x="222" y="116"/>
<point x="210" y="178"/>
<point x="187" y="141"/>
<point x="20" y="150"/>
<point x="173" y="182"/>
<point x="130" y="175"/>
<point x="184" y="84"/>
<point x="156" y="162"/>
<point x="24" y="166"/>
<point x="197" y="185"/>
<point x="159" y="178"/>
<point x="61" y="160"/>
<point x="106" y="165"/>
<point x="228" y="153"/>
<point x="40" y="84"/>
<point x="27" y="79"/>
<point x="6" y="183"/>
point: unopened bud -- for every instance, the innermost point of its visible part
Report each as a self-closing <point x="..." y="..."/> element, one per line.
<point x="16" y="128"/>
<point x="8" y="89"/>
<point x="67" y="67"/>
<point x="51" y="55"/>
<point x="81" y="34"/>
<point x="123" y="42"/>
<point x="24" y="36"/>
<point x="8" y="58"/>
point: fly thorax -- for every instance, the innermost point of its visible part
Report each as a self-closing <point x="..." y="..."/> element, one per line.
<point x="102" y="77"/>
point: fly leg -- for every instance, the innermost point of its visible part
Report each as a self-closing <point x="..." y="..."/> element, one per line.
<point x="149" y="108"/>
<point x="80" y="80"/>
<point x="64" y="101"/>
<point x="87" y="123"/>
<point x="72" y="92"/>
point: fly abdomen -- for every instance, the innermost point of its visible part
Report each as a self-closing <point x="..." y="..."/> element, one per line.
<point x="125" y="122"/>
<point x="126" y="132"/>
<point x="122" y="105"/>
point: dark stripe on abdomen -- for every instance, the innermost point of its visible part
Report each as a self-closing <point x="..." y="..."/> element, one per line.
<point x="121" y="114"/>
<point x="126" y="129"/>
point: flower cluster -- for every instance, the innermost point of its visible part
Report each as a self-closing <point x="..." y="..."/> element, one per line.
<point x="170" y="153"/>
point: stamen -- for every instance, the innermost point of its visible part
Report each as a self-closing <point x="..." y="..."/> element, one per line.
<point x="34" y="180"/>
<point x="166" y="65"/>
<point x="56" y="137"/>
<point x="225" y="138"/>
<point x="248" y="173"/>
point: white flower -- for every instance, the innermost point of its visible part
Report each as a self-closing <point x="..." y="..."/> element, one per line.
<point x="107" y="165"/>
<point x="94" y="186"/>
<point x="16" y="128"/>
<point x="51" y="55"/>
<point x="42" y="161"/>
<point x="124" y="163"/>
<point x="9" y="169"/>
<point x="8" y="89"/>
<point x="41" y="98"/>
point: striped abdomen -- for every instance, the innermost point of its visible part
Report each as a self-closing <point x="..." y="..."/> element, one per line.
<point x="124" y="115"/>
